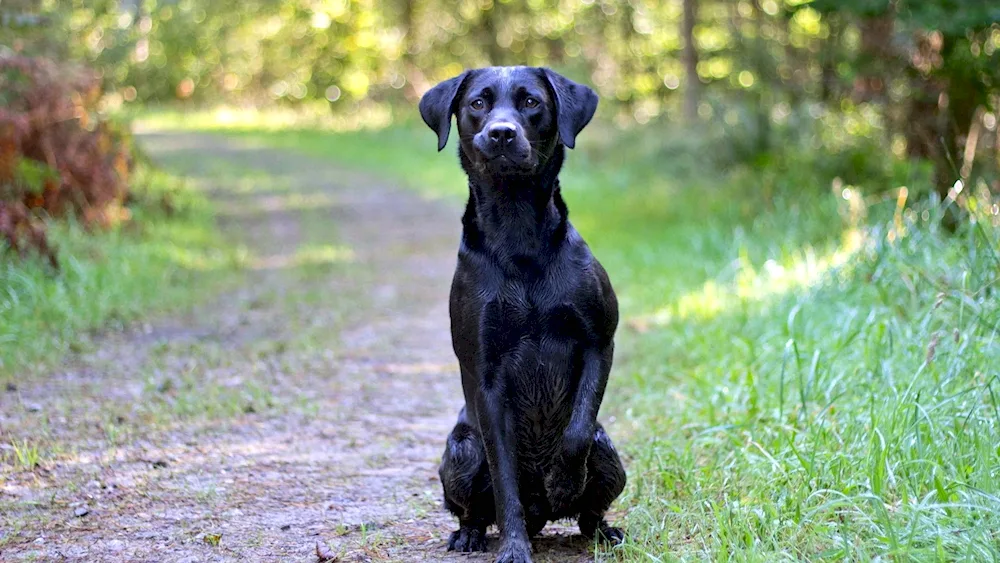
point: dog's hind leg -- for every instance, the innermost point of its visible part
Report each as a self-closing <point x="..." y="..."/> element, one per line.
<point x="605" y="481"/>
<point x="468" y="492"/>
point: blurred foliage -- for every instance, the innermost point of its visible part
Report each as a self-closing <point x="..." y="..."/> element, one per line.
<point x="915" y="79"/>
<point x="56" y="156"/>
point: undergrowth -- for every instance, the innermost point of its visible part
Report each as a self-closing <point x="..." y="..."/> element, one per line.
<point x="163" y="257"/>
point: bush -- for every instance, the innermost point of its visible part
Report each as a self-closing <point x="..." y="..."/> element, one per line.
<point x="57" y="157"/>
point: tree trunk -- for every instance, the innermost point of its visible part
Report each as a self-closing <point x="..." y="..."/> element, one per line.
<point x="762" y="86"/>
<point x="408" y="27"/>
<point x="942" y="108"/>
<point x="489" y="31"/>
<point x="877" y="55"/>
<point x="940" y="112"/>
<point x="627" y="63"/>
<point x="829" y="51"/>
<point x="692" y="84"/>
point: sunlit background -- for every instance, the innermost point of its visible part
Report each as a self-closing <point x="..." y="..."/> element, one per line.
<point x="905" y="79"/>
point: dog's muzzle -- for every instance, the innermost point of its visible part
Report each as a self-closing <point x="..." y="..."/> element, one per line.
<point x="503" y="144"/>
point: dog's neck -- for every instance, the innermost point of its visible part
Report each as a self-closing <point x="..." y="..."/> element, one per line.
<point x="515" y="217"/>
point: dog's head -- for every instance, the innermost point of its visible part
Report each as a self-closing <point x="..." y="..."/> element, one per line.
<point x="510" y="119"/>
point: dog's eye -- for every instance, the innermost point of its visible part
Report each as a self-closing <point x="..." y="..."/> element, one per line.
<point x="530" y="103"/>
<point x="478" y="104"/>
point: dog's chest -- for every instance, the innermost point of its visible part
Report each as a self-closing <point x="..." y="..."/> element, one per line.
<point x="542" y="378"/>
<point x="536" y="338"/>
<point x="522" y="319"/>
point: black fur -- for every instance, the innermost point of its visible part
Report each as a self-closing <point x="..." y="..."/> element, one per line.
<point x="533" y="318"/>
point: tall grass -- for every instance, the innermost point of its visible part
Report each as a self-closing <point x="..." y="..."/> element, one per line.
<point x="855" y="419"/>
<point x="107" y="279"/>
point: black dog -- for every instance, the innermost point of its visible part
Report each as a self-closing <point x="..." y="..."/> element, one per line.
<point x="533" y="318"/>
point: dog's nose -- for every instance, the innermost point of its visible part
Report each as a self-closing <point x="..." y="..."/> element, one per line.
<point x="502" y="133"/>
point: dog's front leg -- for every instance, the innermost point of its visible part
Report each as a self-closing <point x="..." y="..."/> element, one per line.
<point x="565" y="481"/>
<point x="496" y="424"/>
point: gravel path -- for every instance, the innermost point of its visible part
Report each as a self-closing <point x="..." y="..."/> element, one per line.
<point x="307" y="405"/>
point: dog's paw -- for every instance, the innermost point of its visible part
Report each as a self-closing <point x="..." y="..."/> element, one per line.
<point x="466" y="539"/>
<point x="594" y="527"/>
<point x="611" y="535"/>
<point x="564" y="485"/>
<point x="514" y="552"/>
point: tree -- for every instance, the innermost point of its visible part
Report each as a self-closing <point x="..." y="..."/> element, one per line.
<point x="944" y="65"/>
<point x="692" y="85"/>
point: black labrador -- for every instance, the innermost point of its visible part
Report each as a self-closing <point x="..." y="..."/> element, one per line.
<point x="533" y="318"/>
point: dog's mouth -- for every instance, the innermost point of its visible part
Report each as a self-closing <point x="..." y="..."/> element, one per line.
<point x="505" y="162"/>
<point x="507" y="159"/>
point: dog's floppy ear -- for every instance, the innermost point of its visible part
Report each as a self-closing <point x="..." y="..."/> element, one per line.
<point x="575" y="106"/>
<point x="438" y="105"/>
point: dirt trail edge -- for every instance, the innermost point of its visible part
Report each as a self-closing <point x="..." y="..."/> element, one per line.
<point x="309" y="405"/>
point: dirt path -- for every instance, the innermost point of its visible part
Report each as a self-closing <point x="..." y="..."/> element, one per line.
<point x="307" y="405"/>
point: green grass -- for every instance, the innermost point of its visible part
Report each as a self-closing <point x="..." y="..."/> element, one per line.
<point x="793" y="382"/>
<point x="148" y="264"/>
<point x="27" y="455"/>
